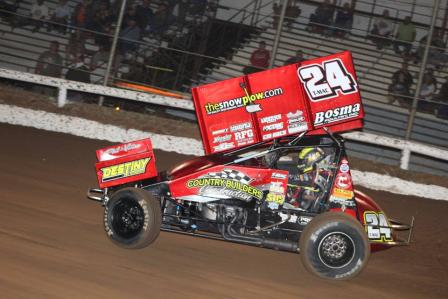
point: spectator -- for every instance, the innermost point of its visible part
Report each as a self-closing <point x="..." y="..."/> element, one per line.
<point x="180" y="11"/>
<point x="400" y="87"/>
<point x="399" y="91"/>
<point x="295" y="59"/>
<point x="405" y="37"/>
<point x="78" y="71"/>
<point x="382" y="28"/>
<point x="442" y="98"/>
<point x="129" y="35"/>
<point x="259" y="59"/>
<point x="162" y="19"/>
<point x="8" y="10"/>
<point x="344" y="19"/>
<point x="144" y="15"/>
<point x="322" y="18"/>
<point x="38" y="13"/>
<point x="292" y="12"/>
<point x="75" y="48"/>
<point x="428" y="89"/>
<point x="49" y="62"/>
<point x="61" y="16"/>
<point x="101" y="20"/>
<point x="436" y="53"/>
<point x="408" y="79"/>
<point x="80" y="14"/>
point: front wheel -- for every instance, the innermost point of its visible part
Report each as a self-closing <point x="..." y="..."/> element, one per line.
<point x="132" y="218"/>
<point x="334" y="246"/>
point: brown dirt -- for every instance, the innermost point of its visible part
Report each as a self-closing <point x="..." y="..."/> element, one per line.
<point x="52" y="243"/>
<point x="161" y="123"/>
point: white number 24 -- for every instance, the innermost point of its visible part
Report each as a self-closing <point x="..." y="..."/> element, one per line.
<point x="323" y="81"/>
<point x="377" y="226"/>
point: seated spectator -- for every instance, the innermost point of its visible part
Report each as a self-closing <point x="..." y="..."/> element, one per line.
<point x="442" y="98"/>
<point x="75" y="48"/>
<point x="295" y="59"/>
<point x="8" y="10"/>
<point x="49" y="62"/>
<point x="276" y="11"/>
<point x="436" y="53"/>
<point x="62" y="15"/>
<point x="382" y="28"/>
<point x="405" y="37"/>
<point x="344" y="20"/>
<point x="162" y="19"/>
<point x="38" y="13"/>
<point x="322" y="18"/>
<point x="101" y="20"/>
<point x="77" y="71"/>
<point x="292" y="12"/>
<point x="259" y="59"/>
<point x="399" y="91"/>
<point x="180" y="11"/>
<point x="79" y="18"/>
<point x="408" y="79"/>
<point x="144" y="15"/>
<point x="129" y="36"/>
<point x="428" y="89"/>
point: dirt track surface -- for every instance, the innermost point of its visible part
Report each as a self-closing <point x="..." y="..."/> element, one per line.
<point x="52" y="243"/>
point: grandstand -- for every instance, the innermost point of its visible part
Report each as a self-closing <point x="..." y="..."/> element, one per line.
<point x="178" y="52"/>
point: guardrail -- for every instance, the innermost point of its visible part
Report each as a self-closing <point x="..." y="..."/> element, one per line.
<point x="406" y="147"/>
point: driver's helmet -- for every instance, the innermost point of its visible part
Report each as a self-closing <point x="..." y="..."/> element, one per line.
<point x="309" y="157"/>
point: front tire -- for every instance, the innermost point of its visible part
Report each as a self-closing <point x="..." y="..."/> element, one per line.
<point x="132" y="218"/>
<point x="334" y="246"/>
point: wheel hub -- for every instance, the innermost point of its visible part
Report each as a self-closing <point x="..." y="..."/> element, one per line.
<point x="128" y="218"/>
<point x="336" y="250"/>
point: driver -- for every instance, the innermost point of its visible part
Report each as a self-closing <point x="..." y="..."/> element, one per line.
<point x="309" y="183"/>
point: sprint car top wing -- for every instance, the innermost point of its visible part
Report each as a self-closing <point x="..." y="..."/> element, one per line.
<point x="306" y="96"/>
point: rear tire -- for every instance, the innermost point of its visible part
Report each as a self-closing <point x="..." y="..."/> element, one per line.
<point x="334" y="246"/>
<point x="132" y="218"/>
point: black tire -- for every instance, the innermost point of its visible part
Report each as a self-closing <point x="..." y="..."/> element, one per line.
<point x="334" y="246"/>
<point x="132" y="218"/>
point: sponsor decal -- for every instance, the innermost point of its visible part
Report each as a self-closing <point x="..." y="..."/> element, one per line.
<point x="341" y="193"/>
<point x="241" y="127"/>
<point x="304" y="220"/>
<point x="297" y="127"/>
<point x="279" y="199"/>
<point x="228" y="183"/>
<point x="271" y="119"/>
<point x="345" y="202"/>
<point x="277" y="187"/>
<point x="337" y="114"/>
<point x="377" y="227"/>
<point x="273" y="127"/>
<point x="124" y="170"/>
<point x="243" y="135"/>
<point x="224" y="146"/>
<point x="249" y="101"/>
<point x="296" y="114"/>
<point x="343" y="181"/>
<point x="344" y="167"/>
<point x="222" y="131"/>
<point x="222" y="138"/>
<point x="276" y="175"/>
<point x="324" y="81"/>
<point x="122" y="148"/>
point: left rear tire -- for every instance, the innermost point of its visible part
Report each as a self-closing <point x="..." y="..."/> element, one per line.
<point x="132" y="218"/>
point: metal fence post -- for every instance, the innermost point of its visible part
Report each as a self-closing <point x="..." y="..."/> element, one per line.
<point x="278" y="33"/>
<point x="422" y="72"/>
<point x="405" y="157"/>
<point x="62" y="96"/>
<point x="113" y="48"/>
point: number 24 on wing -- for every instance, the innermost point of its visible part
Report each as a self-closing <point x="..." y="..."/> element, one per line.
<point x="322" y="81"/>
